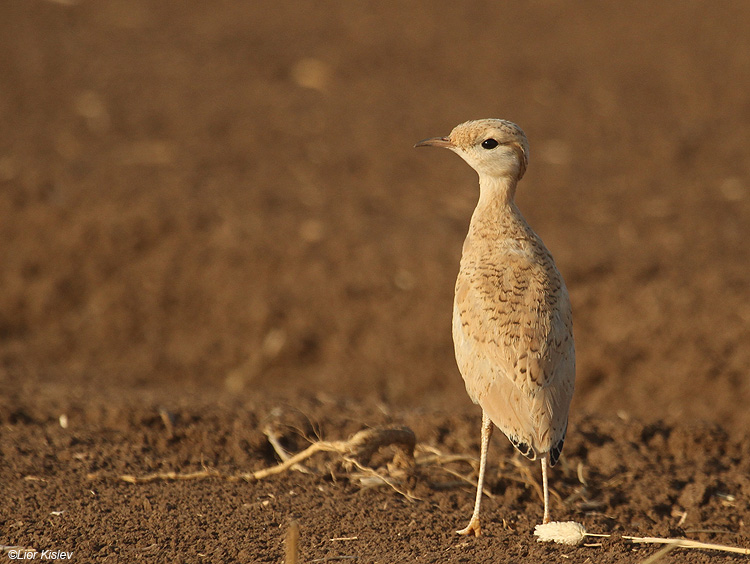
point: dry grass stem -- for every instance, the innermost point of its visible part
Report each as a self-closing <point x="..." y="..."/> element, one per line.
<point x="464" y="479"/>
<point x="202" y="474"/>
<point x="659" y="554"/>
<point x="369" y="472"/>
<point x="686" y="543"/>
<point x="527" y="477"/>
<point x="292" y="543"/>
<point x="281" y="452"/>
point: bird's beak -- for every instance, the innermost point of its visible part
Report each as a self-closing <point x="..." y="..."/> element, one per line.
<point x="443" y="142"/>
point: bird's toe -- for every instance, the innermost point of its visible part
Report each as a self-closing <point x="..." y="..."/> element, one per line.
<point x="473" y="528"/>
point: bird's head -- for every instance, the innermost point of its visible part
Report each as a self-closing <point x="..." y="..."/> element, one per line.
<point x="495" y="148"/>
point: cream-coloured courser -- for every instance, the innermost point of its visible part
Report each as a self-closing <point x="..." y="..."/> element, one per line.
<point x="512" y="323"/>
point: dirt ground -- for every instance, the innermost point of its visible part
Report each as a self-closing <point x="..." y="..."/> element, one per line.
<point x="214" y="232"/>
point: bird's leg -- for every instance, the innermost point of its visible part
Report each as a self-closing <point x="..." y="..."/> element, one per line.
<point x="473" y="528"/>
<point x="545" y="486"/>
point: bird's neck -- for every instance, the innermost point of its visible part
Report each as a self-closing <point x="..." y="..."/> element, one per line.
<point x="496" y="215"/>
<point x="496" y="192"/>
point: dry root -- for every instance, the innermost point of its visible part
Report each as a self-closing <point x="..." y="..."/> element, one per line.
<point x="355" y="452"/>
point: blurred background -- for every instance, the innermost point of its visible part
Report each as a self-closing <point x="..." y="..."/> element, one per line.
<point x="224" y="195"/>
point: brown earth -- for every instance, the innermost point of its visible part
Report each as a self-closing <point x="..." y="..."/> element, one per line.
<point x="212" y="219"/>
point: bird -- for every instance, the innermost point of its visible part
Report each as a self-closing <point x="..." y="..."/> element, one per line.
<point x="512" y="318"/>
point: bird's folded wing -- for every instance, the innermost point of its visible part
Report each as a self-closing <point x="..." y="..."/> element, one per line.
<point x="514" y="347"/>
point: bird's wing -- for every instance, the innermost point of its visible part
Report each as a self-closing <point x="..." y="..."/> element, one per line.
<point x="512" y="332"/>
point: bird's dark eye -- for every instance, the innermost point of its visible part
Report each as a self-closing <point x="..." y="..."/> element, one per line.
<point x="489" y="143"/>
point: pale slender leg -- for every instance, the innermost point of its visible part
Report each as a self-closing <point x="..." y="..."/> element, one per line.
<point x="545" y="486"/>
<point x="473" y="528"/>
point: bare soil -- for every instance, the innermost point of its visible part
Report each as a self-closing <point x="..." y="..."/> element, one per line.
<point x="213" y="224"/>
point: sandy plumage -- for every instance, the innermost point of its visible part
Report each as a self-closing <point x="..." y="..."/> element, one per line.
<point x="512" y="322"/>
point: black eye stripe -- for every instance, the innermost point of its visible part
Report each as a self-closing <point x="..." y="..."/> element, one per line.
<point x="489" y="143"/>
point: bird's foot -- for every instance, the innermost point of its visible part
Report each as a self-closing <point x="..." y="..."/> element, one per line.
<point x="473" y="528"/>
